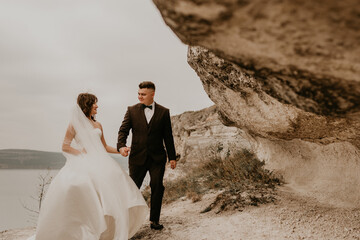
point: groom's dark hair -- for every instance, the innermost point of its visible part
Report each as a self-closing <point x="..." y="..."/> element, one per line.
<point x="147" y="84"/>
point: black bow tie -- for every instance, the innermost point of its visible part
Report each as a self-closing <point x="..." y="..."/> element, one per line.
<point x="146" y="106"/>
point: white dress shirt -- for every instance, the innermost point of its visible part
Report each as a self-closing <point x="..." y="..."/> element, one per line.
<point x="149" y="112"/>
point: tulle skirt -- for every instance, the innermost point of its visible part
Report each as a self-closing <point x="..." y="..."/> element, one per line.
<point x="91" y="197"/>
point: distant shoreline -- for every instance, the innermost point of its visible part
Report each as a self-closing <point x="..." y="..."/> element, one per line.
<point x="50" y="169"/>
<point x="26" y="159"/>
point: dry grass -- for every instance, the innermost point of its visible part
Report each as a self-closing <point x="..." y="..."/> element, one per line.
<point x="241" y="179"/>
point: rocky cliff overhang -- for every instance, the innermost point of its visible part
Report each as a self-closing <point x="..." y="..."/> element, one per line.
<point x="288" y="73"/>
<point x="283" y="69"/>
<point x="280" y="69"/>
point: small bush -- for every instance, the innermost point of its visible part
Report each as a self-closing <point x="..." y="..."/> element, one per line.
<point x="242" y="180"/>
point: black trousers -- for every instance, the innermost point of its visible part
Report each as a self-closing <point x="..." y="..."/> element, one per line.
<point x="156" y="170"/>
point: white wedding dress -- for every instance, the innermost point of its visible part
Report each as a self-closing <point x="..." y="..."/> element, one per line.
<point x="91" y="197"/>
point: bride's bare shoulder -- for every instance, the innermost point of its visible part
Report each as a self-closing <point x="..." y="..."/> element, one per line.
<point x="98" y="124"/>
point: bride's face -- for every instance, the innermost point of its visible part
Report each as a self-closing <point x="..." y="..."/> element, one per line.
<point x="94" y="109"/>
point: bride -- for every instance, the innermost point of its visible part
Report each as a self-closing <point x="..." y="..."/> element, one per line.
<point x="91" y="197"/>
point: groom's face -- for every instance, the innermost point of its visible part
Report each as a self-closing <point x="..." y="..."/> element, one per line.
<point x="146" y="95"/>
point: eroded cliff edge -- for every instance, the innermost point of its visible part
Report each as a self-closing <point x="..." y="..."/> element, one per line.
<point x="287" y="74"/>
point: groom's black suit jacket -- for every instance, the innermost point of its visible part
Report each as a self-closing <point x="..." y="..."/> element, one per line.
<point x="148" y="139"/>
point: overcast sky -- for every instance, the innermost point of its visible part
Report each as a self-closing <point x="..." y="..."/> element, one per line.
<point x="50" y="51"/>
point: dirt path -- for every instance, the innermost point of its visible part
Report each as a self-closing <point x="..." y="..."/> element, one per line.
<point x="292" y="217"/>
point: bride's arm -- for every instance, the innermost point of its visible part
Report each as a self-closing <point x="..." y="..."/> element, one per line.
<point x="108" y="148"/>
<point x="69" y="136"/>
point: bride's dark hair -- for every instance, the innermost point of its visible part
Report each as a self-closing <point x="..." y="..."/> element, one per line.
<point x="85" y="102"/>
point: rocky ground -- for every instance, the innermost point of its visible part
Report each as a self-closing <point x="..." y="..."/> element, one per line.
<point x="292" y="216"/>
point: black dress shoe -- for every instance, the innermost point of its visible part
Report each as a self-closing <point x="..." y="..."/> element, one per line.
<point x="156" y="226"/>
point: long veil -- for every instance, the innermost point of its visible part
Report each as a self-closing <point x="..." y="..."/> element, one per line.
<point x="84" y="133"/>
<point x="91" y="195"/>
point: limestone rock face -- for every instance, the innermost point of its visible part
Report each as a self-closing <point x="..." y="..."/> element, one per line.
<point x="288" y="74"/>
<point x="328" y="171"/>
<point x="200" y="135"/>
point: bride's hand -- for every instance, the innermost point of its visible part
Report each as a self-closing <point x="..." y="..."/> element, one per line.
<point x="79" y="152"/>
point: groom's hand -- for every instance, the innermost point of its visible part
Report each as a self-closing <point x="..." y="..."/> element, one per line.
<point x="124" y="151"/>
<point x="172" y="164"/>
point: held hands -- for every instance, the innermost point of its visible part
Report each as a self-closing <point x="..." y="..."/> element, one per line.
<point x="124" y="151"/>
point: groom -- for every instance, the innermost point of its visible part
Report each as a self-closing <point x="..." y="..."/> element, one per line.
<point x="151" y="130"/>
